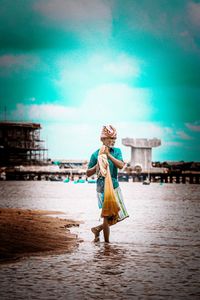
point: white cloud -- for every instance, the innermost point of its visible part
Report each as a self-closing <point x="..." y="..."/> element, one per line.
<point x="122" y="67"/>
<point x="71" y="141"/>
<point x="10" y="63"/>
<point x="181" y="23"/>
<point x="152" y="18"/>
<point x="74" y="132"/>
<point x="117" y="101"/>
<point x="184" y="136"/>
<point x="77" y="15"/>
<point x="173" y="144"/>
<point x="194" y="14"/>
<point x="80" y="72"/>
<point x="73" y="10"/>
<point x="141" y="129"/>
<point x="104" y="104"/>
<point x="168" y="130"/>
<point x="20" y="60"/>
<point x="44" y="112"/>
<point x="193" y="126"/>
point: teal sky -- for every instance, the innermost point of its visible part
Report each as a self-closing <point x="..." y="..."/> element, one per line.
<point x="76" y="65"/>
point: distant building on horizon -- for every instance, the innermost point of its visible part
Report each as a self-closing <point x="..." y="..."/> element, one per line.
<point x="141" y="152"/>
<point x="20" y="144"/>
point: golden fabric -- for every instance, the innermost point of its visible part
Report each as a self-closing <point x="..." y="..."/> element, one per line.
<point x="110" y="207"/>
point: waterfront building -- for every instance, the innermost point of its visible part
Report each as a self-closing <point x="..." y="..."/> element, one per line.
<point x="20" y="144"/>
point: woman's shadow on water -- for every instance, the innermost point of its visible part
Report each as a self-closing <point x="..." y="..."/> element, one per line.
<point x="109" y="258"/>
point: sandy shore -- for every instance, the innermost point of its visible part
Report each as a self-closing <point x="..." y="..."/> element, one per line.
<point x="28" y="232"/>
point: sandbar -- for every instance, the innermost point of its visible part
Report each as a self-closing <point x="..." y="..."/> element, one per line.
<point x="34" y="232"/>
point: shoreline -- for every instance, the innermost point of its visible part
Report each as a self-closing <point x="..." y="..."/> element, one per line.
<point x="27" y="232"/>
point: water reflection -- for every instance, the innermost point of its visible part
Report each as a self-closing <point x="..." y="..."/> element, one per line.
<point x="110" y="251"/>
<point x="112" y="259"/>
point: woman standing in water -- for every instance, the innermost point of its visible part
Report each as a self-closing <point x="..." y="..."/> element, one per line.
<point x="105" y="162"/>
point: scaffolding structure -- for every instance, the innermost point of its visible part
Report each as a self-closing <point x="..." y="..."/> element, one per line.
<point x="20" y="144"/>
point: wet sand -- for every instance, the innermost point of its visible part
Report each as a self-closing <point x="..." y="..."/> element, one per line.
<point x="27" y="232"/>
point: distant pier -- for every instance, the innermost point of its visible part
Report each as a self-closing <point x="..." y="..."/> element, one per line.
<point x="41" y="174"/>
<point x="173" y="177"/>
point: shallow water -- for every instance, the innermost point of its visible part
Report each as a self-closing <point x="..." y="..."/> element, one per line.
<point x="154" y="254"/>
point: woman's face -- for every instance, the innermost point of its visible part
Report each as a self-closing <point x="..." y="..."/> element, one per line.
<point x="109" y="142"/>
